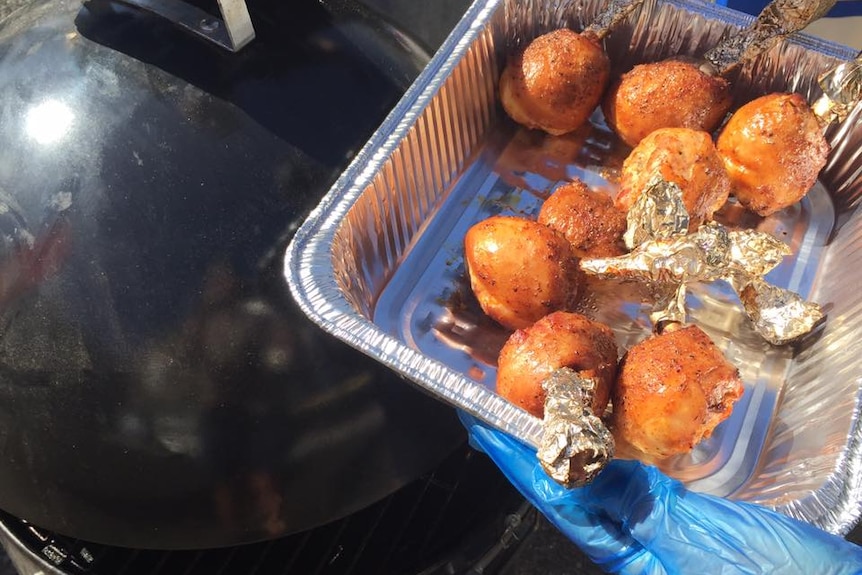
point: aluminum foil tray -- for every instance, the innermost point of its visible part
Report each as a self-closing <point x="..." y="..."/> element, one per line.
<point x="379" y="262"/>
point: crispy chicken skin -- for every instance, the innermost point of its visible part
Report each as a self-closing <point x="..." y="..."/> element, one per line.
<point x="520" y="270"/>
<point x="668" y="94"/>
<point x="556" y="82"/>
<point x="773" y="149"/>
<point x="588" y="219"/>
<point x="672" y="391"/>
<point x="560" y="339"/>
<point x="685" y="157"/>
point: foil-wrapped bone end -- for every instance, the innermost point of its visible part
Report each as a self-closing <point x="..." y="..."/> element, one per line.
<point x="576" y="444"/>
<point x="700" y="256"/>
<point x="842" y="90"/>
<point x="665" y="255"/>
<point x="756" y="253"/>
<point x="780" y="316"/>
<point x="658" y="213"/>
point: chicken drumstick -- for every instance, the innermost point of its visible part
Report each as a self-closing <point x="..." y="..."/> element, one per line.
<point x="672" y="391"/>
<point x="556" y="82"/>
<point x="688" y="93"/>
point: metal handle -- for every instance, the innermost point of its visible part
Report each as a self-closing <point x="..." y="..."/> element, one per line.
<point x="232" y="32"/>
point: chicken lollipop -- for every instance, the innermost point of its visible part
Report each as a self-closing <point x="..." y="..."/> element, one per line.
<point x="689" y="93"/>
<point x="556" y="82"/>
<point x="672" y="391"/>
<point x="685" y="157"/>
<point x="588" y="219"/>
<point x="773" y="149"/>
<point x="560" y="339"/>
<point x="520" y="270"/>
<point x="673" y="93"/>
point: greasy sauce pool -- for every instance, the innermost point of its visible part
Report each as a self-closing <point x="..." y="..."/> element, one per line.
<point x="429" y="305"/>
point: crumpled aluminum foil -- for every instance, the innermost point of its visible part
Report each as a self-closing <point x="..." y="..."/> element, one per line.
<point x="658" y="215"/>
<point x="663" y="253"/>
<point x="842" y="90"/>
<point x="778" y="314"/>
<point x="576" y="444"/>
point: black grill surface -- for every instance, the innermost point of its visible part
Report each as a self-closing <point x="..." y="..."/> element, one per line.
<point x="460" y="518"/>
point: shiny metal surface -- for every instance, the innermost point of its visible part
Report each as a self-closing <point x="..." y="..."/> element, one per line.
<point x="379" y="263"/>
<point x="667" y="257"/>
<point x="576" y="445"/>
<point x="158" y="386"/>
<point x="842" y="90"/>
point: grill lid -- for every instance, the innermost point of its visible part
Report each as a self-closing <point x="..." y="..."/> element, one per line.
<point x="158" y="386"/>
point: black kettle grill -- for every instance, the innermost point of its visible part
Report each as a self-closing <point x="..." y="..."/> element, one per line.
<point x="158" y="386"/>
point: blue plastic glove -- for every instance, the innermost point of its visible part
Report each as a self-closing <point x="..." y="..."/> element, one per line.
<point x="632" y="519"/>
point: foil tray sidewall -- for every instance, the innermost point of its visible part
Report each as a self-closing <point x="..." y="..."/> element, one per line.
<point x="834" y="506"/>
<point x="308" y="260"/>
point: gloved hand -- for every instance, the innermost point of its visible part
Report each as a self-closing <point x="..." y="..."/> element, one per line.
<point x="632" y="519"/>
